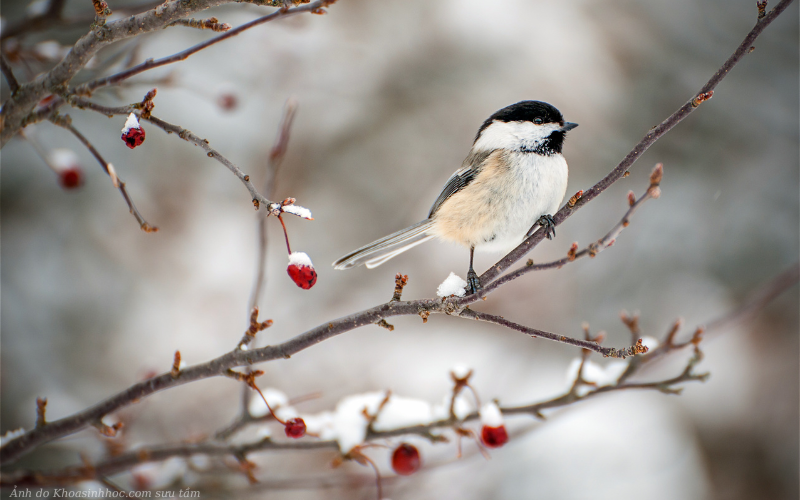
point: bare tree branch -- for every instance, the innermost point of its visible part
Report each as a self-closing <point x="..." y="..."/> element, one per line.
<point x="274" y="163"/>
<point x="88" y="88"/>
<point x="452" y="306"/>
<point x="591" y="250"/>
<point x="123" y="462"/>
<point x="15" y="110"/>
<point x="48" y="18"/>
<point x="65" y="122"/>
<point x="648" y="140"/>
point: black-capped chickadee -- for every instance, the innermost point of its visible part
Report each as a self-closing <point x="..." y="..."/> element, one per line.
<point x="514" y="177"/>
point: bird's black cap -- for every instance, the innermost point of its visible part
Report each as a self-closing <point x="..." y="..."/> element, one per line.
<point x="525" y="111"/>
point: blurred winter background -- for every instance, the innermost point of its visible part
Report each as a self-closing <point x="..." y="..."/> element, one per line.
<point x="390" y="95"/>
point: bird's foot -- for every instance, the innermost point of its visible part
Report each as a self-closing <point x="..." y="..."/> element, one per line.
<point x="549" y="225"/>
<point x="473" y="282"/>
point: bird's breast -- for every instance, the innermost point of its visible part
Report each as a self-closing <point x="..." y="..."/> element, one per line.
<point x="511" y="192"/>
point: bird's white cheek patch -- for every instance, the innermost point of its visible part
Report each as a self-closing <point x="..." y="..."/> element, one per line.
<point x="513" y="135"/>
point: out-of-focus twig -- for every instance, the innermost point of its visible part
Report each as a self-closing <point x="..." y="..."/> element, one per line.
<point x="13" y="84"/>
<point x="758" y="300"/>
<point x="274" y="163"/>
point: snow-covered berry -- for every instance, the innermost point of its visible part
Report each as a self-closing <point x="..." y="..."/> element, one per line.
<point x="405" y="459"/>
<point x="493" y="428"/>
<point x="67" y="165"/>
<point x="301" y="270"/>
<point x="132" y="132"/>
<point x="295" y="428"/>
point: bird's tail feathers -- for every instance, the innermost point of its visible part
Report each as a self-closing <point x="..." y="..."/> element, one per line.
<point x="379" y="251"/>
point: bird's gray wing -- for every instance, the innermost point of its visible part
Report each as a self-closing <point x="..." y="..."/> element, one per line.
<point x="461" y="178"/>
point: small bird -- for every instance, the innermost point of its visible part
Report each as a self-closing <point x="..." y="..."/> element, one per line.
<point x="513" y="178"/>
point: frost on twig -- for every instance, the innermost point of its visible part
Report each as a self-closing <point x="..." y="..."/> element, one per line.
<point x="288" y="206"/>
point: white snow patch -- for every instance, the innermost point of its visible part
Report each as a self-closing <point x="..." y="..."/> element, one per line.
<point x="300" y="259"/>
<point x="650" y="342"/>
<point x="320" y="425"/>
<point x="264" y="432"/>
<point x="298" y="211"/>
<point x="285" y="412"/>
<point x="8" y="436"/>
<point x="349" y="420"/>
<point x="462" y="407"/>
<point x="453" y="285"/>
<point x="460" y="370"/>
<point x="491" y="416"/>
<point x="49" y="49"/>
<point x="131" y="122"/>
<point x="274" y="397"/>
<point x="63" y="159"/>
<point x="401" y="412"/>
<point x="594" y="373"/>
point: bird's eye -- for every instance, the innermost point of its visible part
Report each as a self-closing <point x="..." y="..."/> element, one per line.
<point x="538" y="121"/>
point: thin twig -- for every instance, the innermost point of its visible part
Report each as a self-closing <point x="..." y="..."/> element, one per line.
<point x="591" y="250"/>
<point x="274" y="162"/>
<point x="533" y="332"/>
<point x="648" y="140"/>
<point x="15" y="111"/>
<point x="89" y="87"/>
<point x="259" y="200"/>
<point x="13" y="84"/>
<point x="761" y="298"/>
<point x="64" y="122"/>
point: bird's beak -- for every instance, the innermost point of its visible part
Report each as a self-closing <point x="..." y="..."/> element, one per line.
<point x="568" y="126"/>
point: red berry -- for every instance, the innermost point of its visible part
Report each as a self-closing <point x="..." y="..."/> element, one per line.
<point x="303" y="276"/>
<point x="405" y="459"/>
<point x="70" y="178"/>
<point x="227" y="102"/>
<point x="295" y="428"/>
<point x="494" y="437"/>
<point x="133" y="137"/>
